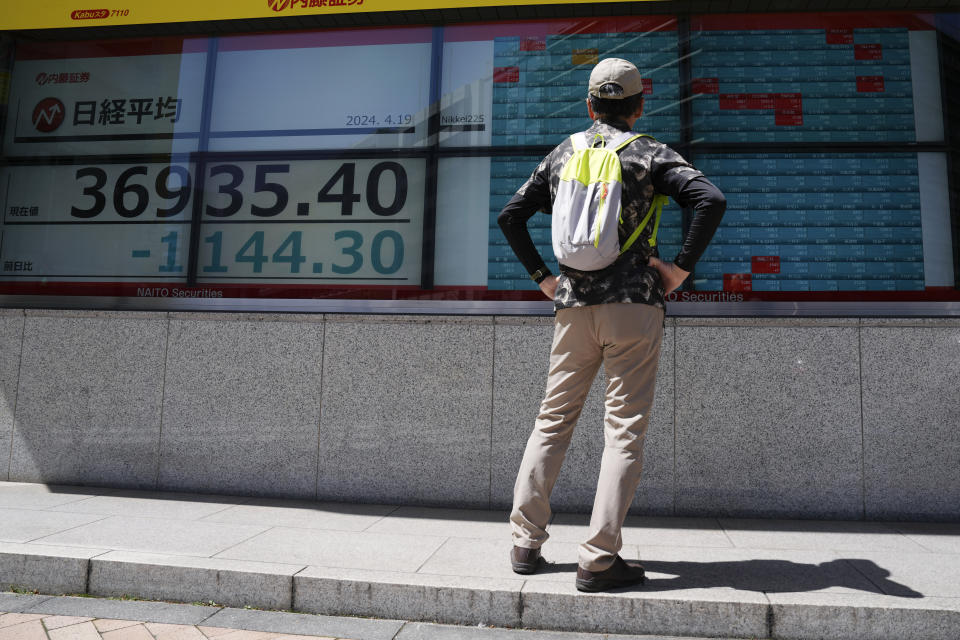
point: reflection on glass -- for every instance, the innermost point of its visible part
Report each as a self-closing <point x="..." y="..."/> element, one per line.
<point x="138" y="96"/>
<point x="525" y="84"/>
<point x="466" y="102"/>
<point x="312" y="181"/>
<point x="539" y="86"/>
<point x="320" y="223"/>
<point x="814" y="223"/>
<point x="96" y="222"/>
<point x="814" y="77"/>
<point x="321" y="90"/>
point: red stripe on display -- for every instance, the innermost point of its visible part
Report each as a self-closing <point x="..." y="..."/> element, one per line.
<point x="931" y="294"/>
<point x="788" y="107"/>
<point x="367" y="292"/>
<point x="110" y="48"/>
<point x="330" y="38"/>
<point x="238" y="290"/>
<point x="532" y="30"/>
<point x="834" y="21"/>
<point x="542" y="29"/>
<point x="286" y="40"/>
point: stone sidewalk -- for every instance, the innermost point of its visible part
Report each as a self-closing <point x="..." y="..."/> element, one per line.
<point x="708" y="577"/>
<point x="40" y="626"/>
<point x="34" y="617"/>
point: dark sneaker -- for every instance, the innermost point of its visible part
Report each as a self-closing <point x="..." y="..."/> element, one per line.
<point x="620" y="574"/>
<point x="525" y="560"/>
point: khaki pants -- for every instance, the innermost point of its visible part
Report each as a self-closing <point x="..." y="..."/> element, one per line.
<point x="626" y="339"/>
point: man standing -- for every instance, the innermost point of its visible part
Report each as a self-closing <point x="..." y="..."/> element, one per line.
<point x="612" y="316"/>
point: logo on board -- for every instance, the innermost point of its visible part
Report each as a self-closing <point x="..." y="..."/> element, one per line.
<point x="62" y="77"/>
<point x="48" y="115"/>
<point x="280" y="5"/>
<point x="90" y="14"/>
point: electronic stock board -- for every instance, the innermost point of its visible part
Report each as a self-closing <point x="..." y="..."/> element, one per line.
<point x="275" y="220"/>
<point x="796" y="222"/>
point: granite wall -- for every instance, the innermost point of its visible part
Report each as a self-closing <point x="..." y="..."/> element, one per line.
<point x="810" y="418"/>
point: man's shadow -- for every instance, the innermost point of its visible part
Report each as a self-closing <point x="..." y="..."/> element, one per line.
<point x="765" y="576"/>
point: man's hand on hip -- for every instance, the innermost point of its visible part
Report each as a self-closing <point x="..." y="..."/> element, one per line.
<point x="672" y="275"/>
<point x="549" y="286"/>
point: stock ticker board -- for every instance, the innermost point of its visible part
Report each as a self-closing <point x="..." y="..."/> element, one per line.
<point x="539" y="87"/>
<point x="810" y="222"/>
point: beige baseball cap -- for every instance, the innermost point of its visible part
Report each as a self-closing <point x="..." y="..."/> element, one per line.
<point x="616" y="71"/>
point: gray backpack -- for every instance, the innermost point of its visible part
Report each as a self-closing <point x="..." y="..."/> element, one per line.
<point x="587" y="209"/>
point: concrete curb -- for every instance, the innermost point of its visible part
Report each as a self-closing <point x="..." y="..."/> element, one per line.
<point x="234" y="583"/>
<point x="561" y="606"/>
<point x="433" y="598"/>
<point x="45" y="568"/>
<point x="453" y="600"/>
<point x="159" y="612"/>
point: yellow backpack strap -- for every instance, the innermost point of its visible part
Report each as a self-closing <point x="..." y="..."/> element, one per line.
<point x="629" y="140"/>
<point x="656" y="208"/>
<point x="658" y="201"/>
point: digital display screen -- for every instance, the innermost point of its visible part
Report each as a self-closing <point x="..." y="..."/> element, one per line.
<point x="815" y="223"/>
<point x="790" y="85"/>
<point x="96" y="221"/>
<point x="373" y="163"/>
<point x="85" y="101"/>
<point x="506" y="175"/>
<point x="322" y="91"/>
<point x="810" y="223"/>
<point x="539" y="83"/>
<point x="357" y="221"/>
<point x="275" y="221"/>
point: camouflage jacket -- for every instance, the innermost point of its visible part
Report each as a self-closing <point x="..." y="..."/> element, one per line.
<point x="648" y="167"/>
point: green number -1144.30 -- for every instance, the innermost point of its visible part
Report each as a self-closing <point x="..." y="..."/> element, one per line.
<point x="385" y="244"/>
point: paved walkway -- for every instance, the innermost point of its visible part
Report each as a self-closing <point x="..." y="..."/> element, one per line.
<point x="71" y="618"/>
<point x="141" y="620"/>
<point x="38" y="626"/>
<point x="708" y="577"/>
